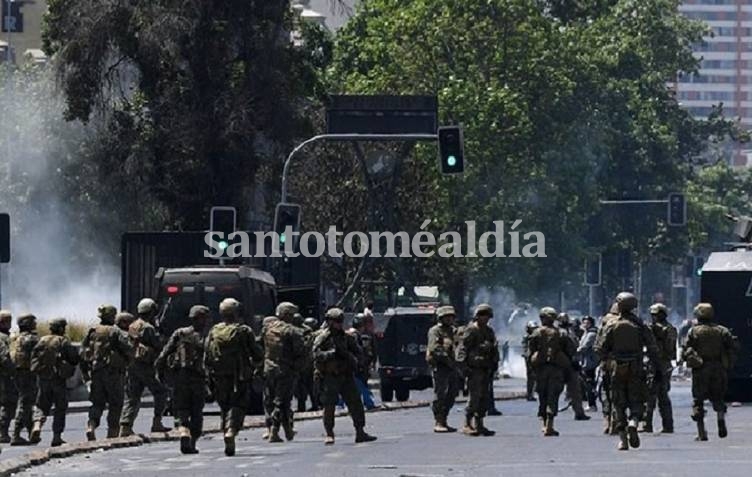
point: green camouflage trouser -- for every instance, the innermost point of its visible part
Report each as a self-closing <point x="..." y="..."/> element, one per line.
<point x="332" y="386"/>
<point x="233" y="397"/>
<point x="52" y="393"/>
<point x="478" y="385"/>
<point x="139" y="377"/>
<point x="446" y="384"/>
<point x="549" y="385"/>
<point x="8" y="402"/>
<point x="106" y="393"/>
<point x="26" y="384"/>
<point x="709" y="382"/>
<point x="188" y="398"/>
<point x="628" y="392"/>
<point x="279" y="387"/>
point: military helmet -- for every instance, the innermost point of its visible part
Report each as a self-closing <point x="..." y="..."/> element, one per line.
<point x="229" y="307"/>
<point x="297" y="319"/>
<point x="105" y="312"/>
<point x="656" y="308"/>
<point x="26" y="321"/>
<point x="5" y="315"/>
<point x="311" y="322"/>
<point x="443" y="311"/>
<point x="58" y="324"/>
<point x="286" y="309"/>
<point x="626" y="302"/>
<point x="588" y="318"/>
<point x="146" y="306"/>
<point x="531" y="325"/>
<point x="563" y="319"/>
<point x="358" y="320"/>
<point x="704" y="312"/>
<point x="547" y="312"/>
<point x="198" y="311"/>
<point x="335" y="314"/>
<point x="483" y="309"/>
<point x="124" y="319"/>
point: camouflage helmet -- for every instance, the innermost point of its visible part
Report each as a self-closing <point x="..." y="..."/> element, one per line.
<point x="443" y="311"/>
<point x="124" y="319"/>
<point x="229" y="307"/>
<point x="358" y="320"/>
<point x="58" y="324"/>
<point x="563" y="319"/>
<point x="626" y="302"/>
<point x="146" y="306"/>
<point x="198" y="311"/>
<point x="106" y="312"/>
<point x="657" y="308"/>
<point x="548" y="313"/>
<point x="311" y="322"/>
<point x="483" y="309"/>
<point x="286" y="309"/>
<point x="704" y="312"/>
<point x="26" y="321"/>
<point x="531" y="325"/>
<point x="335" y="314"/>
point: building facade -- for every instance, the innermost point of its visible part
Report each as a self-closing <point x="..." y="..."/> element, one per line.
<point x="725" y="67"/>
<point x="21" y="22"/>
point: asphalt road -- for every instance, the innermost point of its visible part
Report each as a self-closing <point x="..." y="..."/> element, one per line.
<point x="407" y="447"/>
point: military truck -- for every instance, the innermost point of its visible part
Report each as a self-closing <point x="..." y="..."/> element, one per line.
<point x="726" y="283"/>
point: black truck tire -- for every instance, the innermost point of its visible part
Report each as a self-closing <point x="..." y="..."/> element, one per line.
<point x="386" y="389"/>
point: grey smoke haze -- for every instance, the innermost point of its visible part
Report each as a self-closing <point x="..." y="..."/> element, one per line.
<point x="52" y="272"/>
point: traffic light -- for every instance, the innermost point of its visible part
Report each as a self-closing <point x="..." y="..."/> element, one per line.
<point x="677" y="210"/>
<point x="697" y="263"/>
<point x="593" y="270"/>
<point x="286" y="215"/>
<point x="223" y="219"/>
<point x="4" y="238"/>
<point x="451" y="150"/>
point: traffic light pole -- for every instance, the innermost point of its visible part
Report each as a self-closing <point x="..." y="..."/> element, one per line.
<point x="347" y="138"/>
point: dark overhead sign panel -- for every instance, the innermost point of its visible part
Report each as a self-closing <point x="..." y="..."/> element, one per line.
<point x="359" y="114"/>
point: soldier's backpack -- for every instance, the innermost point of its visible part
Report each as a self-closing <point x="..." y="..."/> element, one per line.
<point x="99" y="351"/>
<point x="224" y="353"/>
<point x="47" y="359"/>
<point x="188" y="354"/>
<point x="19" y="350"/>
<point x="143" y="353"/>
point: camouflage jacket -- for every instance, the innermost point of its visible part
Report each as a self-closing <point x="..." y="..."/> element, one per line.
<point x="479" y="348"/>
<point x="146" y="341"/>
<point x="335" y="352"/>
<point x="64" y="363"/>
<point x="665" y="338"/>
<point x="440" y="350"/>
<point x="184" y="351"/>
<point x="624" y="338"/>
<point x="7" y="366"/>
<point x="21" y="346"/>
<point x="550" y="346"/>
<point x="248" y="352"/>
<point x="284" y="348"/>
<point x="105" y="346"/>
<point x="712" y="342"/>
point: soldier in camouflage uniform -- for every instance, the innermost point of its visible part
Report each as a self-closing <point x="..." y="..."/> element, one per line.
<point x="440" y="355"/>
<point x="284" y="353"/>
<point x="141" y="373"/>
<point x="710" y="351"/>
<point x="184" y="357"/>
<point x="550" y="355"/>
<point x="665" y="338"/>
<point x="123" y="320"/>
<point x="53" y="361"/>
<point x="230" y="354"/>
<point x="21" y="347"/>
<point x="622" y="344"/>
<point x="105" y="353"/>
<point x="8" y="393"/>
<point x="529" y="369"/>
<point x="305" y="387"/>
<point x="6" y="365"/>
<point x="268" y="396"/>
<point x="572" y="378"/>
<point x="365" y="343"/>
<point x="612" y="315"/>
<point x="335" y="355"/>
<point x="479" y="354"/>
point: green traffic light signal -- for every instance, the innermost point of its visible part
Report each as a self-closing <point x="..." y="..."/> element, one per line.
<point x="223" y="244"/>
<point x="282" y="238"/>
<point x="451" y="161"/>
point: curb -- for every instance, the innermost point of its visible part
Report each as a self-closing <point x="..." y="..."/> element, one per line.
<point x="42" y="456"/>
